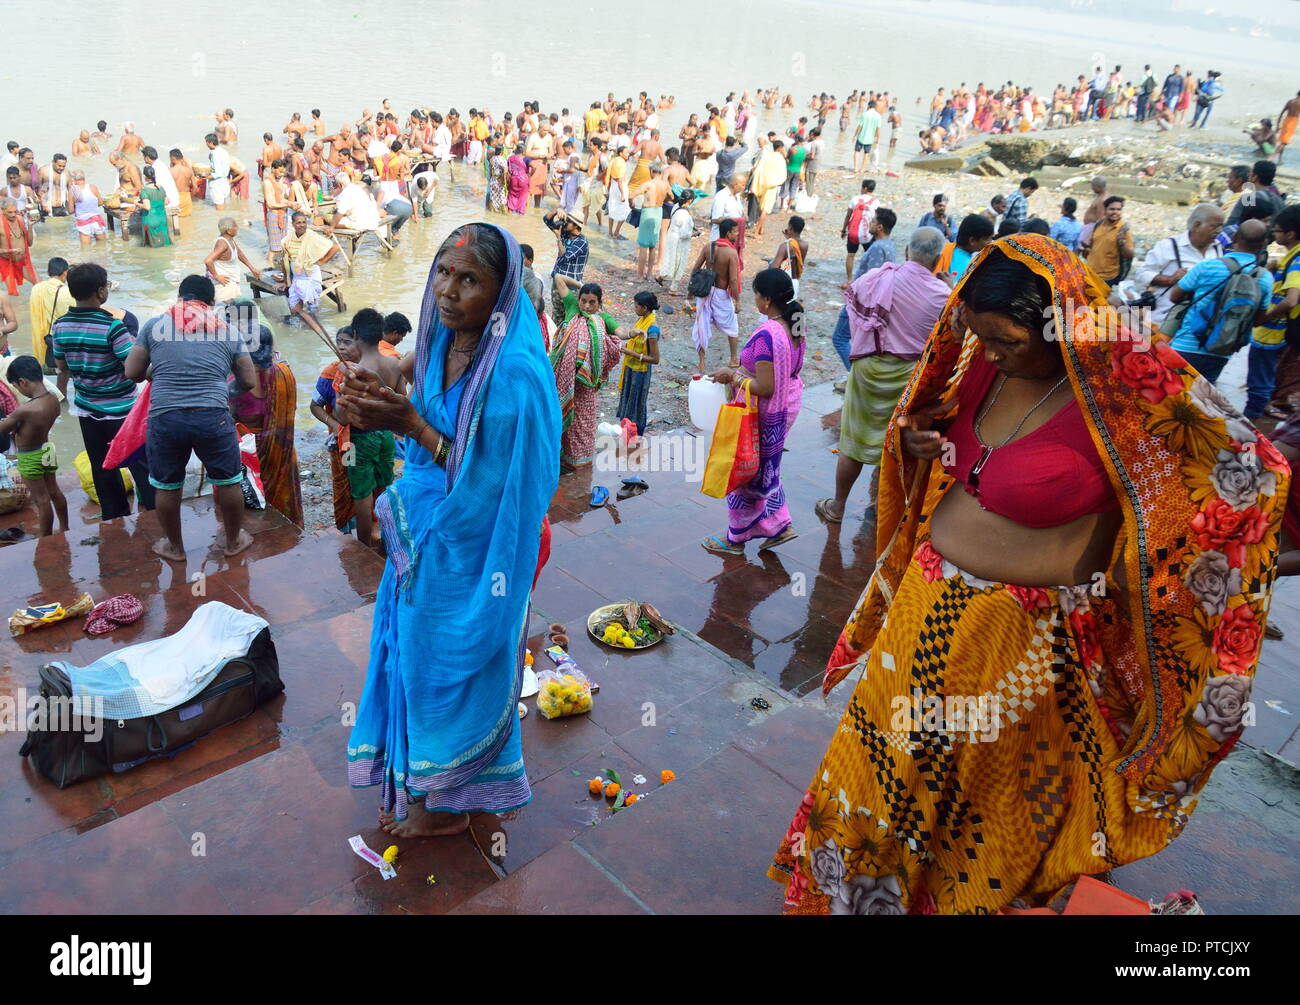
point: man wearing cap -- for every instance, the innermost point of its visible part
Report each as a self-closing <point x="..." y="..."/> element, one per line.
<point x="571" y="254"/>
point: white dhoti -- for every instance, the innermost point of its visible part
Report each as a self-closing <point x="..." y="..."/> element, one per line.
<point x="703" y="171"/>
<point x="227" y="290"/>
<point x="91" y="226"/>
<point x="306" y="289"/>
<point x="714" y="311"/>
<point x="618" y="208"/>
<point x="218" y="191"/>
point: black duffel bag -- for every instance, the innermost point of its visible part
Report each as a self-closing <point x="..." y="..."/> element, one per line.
<point x="68" y="755"/>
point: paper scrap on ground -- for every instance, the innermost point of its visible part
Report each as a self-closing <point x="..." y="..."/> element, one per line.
<point x="361" y="848"/>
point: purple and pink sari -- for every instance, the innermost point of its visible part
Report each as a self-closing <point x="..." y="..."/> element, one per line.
<point x="516" y="184"/>
<point x="757" y="509"/>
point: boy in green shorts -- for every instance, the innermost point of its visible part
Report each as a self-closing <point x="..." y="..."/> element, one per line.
<point x="371" y="456"/>
<point x="30" y="425"/>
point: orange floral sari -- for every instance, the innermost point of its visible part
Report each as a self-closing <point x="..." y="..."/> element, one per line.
<point x="1116" y="707"/>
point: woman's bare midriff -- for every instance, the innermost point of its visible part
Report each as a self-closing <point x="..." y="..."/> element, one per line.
<point x="992" y="547"/>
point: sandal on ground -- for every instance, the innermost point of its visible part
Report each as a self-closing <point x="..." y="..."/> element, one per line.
<point x="786" y="535"/>
<point x="633" y="486"/>
<point x="822" y="509"/>
<point x="599" y="496"/>
<point x="718" y="546"/>
<point x="1271" y="631"/>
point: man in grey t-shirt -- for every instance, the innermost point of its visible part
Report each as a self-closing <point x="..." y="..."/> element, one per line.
<point x="189" y="354"/>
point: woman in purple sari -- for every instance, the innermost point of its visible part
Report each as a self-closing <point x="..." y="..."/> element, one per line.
<point x="517" y="184"/>
<point x="769" y="370"/>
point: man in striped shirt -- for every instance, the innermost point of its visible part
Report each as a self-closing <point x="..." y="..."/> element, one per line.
<point x="89" y="346"/>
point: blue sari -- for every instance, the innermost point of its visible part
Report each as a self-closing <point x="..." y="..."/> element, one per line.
<point x="438" y="721"/>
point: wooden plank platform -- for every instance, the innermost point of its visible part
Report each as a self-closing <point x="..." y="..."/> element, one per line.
<point x="271" y="281"/>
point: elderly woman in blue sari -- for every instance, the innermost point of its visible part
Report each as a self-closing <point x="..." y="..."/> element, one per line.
<point x="438" y="727"/>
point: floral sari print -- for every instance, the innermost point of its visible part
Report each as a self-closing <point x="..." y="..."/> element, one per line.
<point x="1168" y="661"/>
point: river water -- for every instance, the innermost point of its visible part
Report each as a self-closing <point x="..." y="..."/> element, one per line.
<point x="169" y="71"/>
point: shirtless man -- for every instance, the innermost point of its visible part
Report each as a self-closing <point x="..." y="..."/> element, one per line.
<point x="718" y="309"/>
<point x="83" y="145"/>
<point x="128" y="175"/>
<point x="15" y="254"/>
<point x="1097" y="208"/>
<point x="295" y="126"/>
<point x="317" y="125"/>
<point x="238" y="178"/>
<point x="130" y="143"/>
<point x="101" y="132"/>
<point x="226" y="249"/>
<point x="56" y="199"/>
<point x="1286" y="126"/>
<point x="650" y="148"/>
<point x="271" y="152"/>
<point x="183" y="175"/>
<point x="656" y="191"/>
<point x="227" y="132"/>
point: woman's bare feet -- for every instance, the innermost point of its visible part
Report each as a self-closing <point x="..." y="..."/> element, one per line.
<point x="421" y="823"/>
<point x="169" y="551"/>
<point x="241" y="542"/>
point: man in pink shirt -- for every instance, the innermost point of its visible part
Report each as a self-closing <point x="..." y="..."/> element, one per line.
<point x="892" y="310"/>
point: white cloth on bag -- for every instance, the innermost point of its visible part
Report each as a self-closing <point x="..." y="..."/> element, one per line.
<point x="152" y="677"/>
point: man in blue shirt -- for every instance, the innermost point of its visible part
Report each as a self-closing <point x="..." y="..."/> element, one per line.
<point x="1173" y="87"/>
<point x="1209" y="91"/>
<point x="1202" y="286"/>
<point x="938" y="218"/>
<point x="1067" y="228"/>
<point x="1018" y="203"/>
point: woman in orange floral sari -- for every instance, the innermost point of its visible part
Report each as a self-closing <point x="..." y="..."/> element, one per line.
<point x="1077" y="539"/>
<point x="267" y="411"/>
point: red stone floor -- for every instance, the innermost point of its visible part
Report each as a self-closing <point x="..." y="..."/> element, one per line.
<point x="256" y="817"/>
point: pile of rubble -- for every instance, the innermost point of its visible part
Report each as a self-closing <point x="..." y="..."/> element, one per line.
<point x="1160" y="173"/>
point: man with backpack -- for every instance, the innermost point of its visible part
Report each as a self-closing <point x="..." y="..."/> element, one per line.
<point x="1225" y="298"/>
<point x="1145" y="90"/>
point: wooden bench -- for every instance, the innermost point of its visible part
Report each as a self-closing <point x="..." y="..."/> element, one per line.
<point x="354" y="238"/>
<point x="271" y="281"/>
<point x="122" y="218"/>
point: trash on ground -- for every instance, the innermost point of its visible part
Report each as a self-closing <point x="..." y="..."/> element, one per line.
<point x="366" y="852"/>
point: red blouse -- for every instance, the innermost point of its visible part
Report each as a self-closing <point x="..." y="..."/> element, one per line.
<point x="1046" y="478"/>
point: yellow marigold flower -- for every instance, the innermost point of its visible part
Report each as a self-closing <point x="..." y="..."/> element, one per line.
<point x="666" y="776"/>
